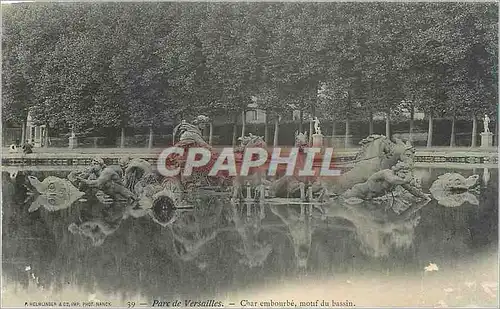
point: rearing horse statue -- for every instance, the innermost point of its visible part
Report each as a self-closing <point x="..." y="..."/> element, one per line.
<point x="377" y="153"/>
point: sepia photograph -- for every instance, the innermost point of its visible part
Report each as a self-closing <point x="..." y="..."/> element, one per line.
<point x="249" y="154"/>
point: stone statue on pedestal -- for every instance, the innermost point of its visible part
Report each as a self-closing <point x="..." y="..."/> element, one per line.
<point x="317" y="129"/>
<point x="486" y="121"/>
<point x="486" y="136"/>
<point x="317" y="137"/>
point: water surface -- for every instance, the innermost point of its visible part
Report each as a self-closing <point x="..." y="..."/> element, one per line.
<point x="220" y="250"/>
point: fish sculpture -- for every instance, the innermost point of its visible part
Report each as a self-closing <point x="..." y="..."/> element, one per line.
<point x="453" y="190"/>
<point x="53" y="193"/>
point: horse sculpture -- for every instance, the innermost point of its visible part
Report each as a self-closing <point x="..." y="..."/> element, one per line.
<point x="377" y="153"/>
<point x="293" y="186"/>
<point x="256" y="177"/>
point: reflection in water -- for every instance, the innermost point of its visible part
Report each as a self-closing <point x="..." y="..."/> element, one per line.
<point x="486" y="176"/>
<point x="101" y="223"/>
<point x="193" y="230"/>
<point x="218" y="245"/>
<point x="377" y="232"/>
<point x="248" y="225"/>
<point x="299" y="227"/>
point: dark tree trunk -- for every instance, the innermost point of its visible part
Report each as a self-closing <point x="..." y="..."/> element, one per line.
<point x="23" y="133"/>
<point x="266" y="128"/>
<point x="179" y="121"/>
<point x="210" y="133"/>
<point x="412" y="121"/>
<point x="333" y="132"/>
<point x="347" y="139"/>
<point x="474" y="131"/>
<point x="235" y="127"/>
<point x="301" y="121"/>
<point x="122" y="138"/>
<point x="310" y="131"/>
<point x="495" y="134"/>
<point x="276" y="130"/>
<point x="150" y="139"/>
<point x="370" y="123"/>
<point x="311" y="124"/>
<point x="430" y="131"/>
<point x="388" y="125"/>
<point x="243" y="123"/>
<point x="46" y="137"/>
<point x="452" y="135"/>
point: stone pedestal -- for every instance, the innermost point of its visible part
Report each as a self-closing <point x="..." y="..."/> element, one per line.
<point x="486" y="139"/>
<point x="73" y="142"/>
<point x="317" y="140"/>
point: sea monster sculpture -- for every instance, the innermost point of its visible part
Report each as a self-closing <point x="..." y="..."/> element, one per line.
<point x="53" y="193"/>
<point x="108" y="181"/>
<point x="452" y="189"/>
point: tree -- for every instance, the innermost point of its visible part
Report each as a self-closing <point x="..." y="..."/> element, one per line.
<point x="453" y="53"/>
<point x="231" y="52"/>
<point x="298" y="53"/>
<point x="29" y="34"/>
<point x="336" y="103"/>
<point x="141" y="70"/>
<point x="142" y="65"/>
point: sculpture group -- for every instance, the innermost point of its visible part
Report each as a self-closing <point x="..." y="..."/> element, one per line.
<point x="381" y="177"/>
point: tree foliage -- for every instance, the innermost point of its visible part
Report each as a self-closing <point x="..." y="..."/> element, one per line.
<point x="86" y="65"/>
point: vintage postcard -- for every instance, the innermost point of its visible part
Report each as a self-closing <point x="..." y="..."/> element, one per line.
<point x="249" y="154"/>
